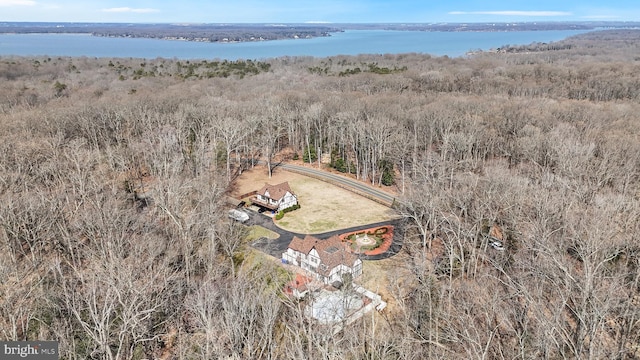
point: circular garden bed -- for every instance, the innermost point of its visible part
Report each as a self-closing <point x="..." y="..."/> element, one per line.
<point x="373" y="241"/>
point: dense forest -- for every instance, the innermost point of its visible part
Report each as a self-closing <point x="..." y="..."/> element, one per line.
<point x="114" y="241"/>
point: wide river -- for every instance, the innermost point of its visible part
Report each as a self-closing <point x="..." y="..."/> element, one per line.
<point x="352" y="42"/>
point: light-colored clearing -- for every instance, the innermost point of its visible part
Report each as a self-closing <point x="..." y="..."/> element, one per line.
<point x="323" y="207"/>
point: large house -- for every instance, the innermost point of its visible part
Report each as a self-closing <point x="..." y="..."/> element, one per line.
<point x="327" y="259"/>
<point x="275" y="197"/>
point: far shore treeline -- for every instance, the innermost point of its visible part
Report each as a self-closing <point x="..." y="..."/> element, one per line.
<point x="262" y="32"/>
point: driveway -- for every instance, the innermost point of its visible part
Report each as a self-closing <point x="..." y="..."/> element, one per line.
<point x="275" y="247"/>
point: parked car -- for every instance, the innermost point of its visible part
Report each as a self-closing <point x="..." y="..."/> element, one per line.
<point x="497" y="245"/>
<point x="238" y="215"/>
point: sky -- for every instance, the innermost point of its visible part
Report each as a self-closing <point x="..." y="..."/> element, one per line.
<point x="320" y="11"/>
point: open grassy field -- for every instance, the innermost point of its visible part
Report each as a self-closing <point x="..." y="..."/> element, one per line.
<point x="324" y="207"/>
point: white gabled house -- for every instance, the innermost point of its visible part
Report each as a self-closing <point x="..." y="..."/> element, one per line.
<point x="327" y="259"/>
<point x="275" y="197"/>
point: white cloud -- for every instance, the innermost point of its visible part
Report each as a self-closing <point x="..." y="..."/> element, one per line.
<point x="512" y="13"/>
<point x="17" y="3"/>
<point x="130" y="10"/>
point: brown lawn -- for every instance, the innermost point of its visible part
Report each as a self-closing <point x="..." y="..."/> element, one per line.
<point x="324" y="207"/>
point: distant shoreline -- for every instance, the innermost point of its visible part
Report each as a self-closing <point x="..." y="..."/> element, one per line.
<point x="234" y="33"/>
<point x="347" y="42"/>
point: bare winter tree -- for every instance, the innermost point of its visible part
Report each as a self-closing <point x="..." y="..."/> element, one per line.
<point x="270" y="130"/>
<point x="234" y="321"/>
<point x="231" y="127"/>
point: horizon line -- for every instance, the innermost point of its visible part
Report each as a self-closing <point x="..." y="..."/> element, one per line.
<point x="431" y="23"/>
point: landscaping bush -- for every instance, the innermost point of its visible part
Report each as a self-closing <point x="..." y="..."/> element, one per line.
<point x="380" y="231"/>
<point x="289" y="209"/>
<point x="279" y="215"/>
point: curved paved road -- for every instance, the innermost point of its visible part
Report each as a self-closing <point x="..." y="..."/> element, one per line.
<point x="344" y="182"/>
